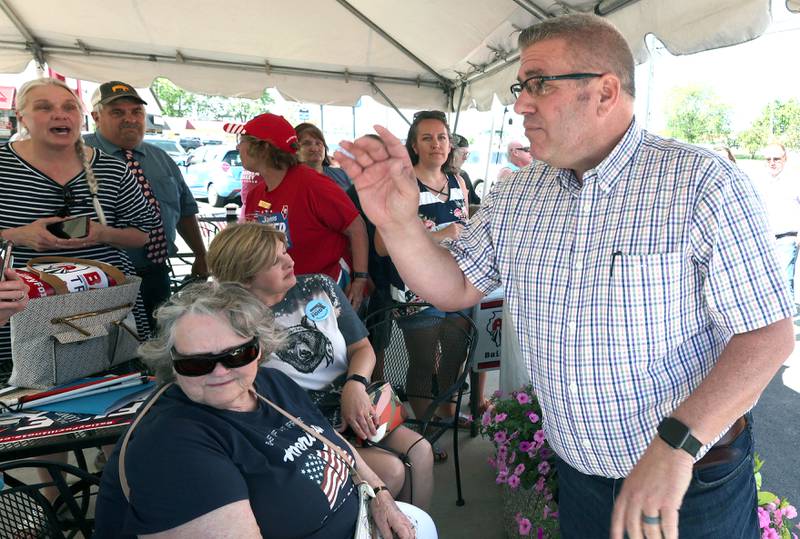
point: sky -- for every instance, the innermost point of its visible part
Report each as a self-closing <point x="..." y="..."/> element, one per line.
<point x="745" y="76"/>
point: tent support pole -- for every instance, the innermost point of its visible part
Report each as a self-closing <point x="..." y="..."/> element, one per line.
<point x="388" y="100"/>
<point x="366" y="20"/>
<point x="458" y="108"/>
<point x="30" y="41"/>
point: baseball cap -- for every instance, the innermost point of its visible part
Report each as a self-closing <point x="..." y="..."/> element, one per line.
<point x="114" y="89"/>
<point x="269" y="127"/>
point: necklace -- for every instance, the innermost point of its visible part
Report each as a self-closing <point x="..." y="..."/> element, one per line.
<point x="437" y="192"/>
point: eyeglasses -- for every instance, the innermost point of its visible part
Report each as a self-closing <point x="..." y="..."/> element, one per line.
<point x="202" y="364"/>
<point x="526" y="149"/>
<point x="771" y="159"/>
<point x="463" y="152"/>
<point x="69" y="200"/>
<point x="537" y="86"/>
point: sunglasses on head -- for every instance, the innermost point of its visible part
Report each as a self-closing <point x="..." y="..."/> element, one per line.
<point x="202" y="364"/>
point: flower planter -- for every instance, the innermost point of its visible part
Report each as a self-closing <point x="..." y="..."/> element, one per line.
<point x="523" y="501"/>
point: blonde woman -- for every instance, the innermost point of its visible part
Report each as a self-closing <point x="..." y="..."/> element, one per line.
<point x="49" y="175"/>
<point x="327" y="352"/>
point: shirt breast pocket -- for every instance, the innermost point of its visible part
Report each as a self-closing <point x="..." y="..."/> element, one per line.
<point x="165" y="188"/>
<point x="646" y="299"/>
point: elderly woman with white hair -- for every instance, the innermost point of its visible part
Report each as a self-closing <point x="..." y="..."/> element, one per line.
<point x="213" y="455"/>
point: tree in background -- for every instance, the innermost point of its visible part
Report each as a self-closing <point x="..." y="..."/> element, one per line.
<point x="696" y="115"/>
<point x="779" y="120"/>
<point x="177" y="102"/>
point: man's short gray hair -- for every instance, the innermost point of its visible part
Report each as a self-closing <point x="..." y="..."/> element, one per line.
<point x="595" y="44"/>
<point x="247" y="315"/>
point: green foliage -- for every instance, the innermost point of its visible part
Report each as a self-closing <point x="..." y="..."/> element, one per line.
<point x="778" y="121"/>
<point x="177" y="102"/>
<point x="696" y="115"/>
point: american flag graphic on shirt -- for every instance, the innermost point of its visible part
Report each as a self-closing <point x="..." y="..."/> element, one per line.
<point x="328" y="471"/>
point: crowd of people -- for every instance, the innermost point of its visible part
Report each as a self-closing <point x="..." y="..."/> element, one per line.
<point x="647" y="287"/>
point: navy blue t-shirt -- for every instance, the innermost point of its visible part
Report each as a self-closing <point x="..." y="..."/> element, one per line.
<point x="186" y="459"/>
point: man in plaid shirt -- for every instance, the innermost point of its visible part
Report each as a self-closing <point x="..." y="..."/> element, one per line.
<point x="640" y="278"/>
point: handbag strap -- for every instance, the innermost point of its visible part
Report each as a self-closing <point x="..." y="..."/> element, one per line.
<point x="333" y="447"/>
<point x="123" y="480"/>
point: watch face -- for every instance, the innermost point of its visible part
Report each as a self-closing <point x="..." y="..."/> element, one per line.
<point x="673" y="432"/>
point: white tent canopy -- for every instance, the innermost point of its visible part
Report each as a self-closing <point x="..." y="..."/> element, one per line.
<point x="414" y="53"/>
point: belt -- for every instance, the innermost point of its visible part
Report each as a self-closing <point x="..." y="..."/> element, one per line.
<point x="722" y="452"/>
<point x="786" y="235"/>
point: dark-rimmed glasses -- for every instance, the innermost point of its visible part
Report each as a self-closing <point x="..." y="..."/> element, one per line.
<point x="526" y="149"/>
<point x="202" y="364"/>
<point x="536" y="86"/>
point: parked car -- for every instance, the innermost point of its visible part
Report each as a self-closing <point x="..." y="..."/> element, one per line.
<point x="215" y="172"/>
<point x="211" y="141"/>
<point x="171" y="146"/>
<point x="190" y="143"/>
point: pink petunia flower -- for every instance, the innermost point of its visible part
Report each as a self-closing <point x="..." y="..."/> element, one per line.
<point x="777" y="515"/>
<point x="499" y="418"/>
<point x="524" y="526"/>
<point x="523" y="398"/>
<point x="539" y="485"/>
<point x="524" y="446"/>
<point x="513" y="481"/>
<point x="769" y="533"/>
<point x="763" y="518"/>
<point x="544" y="467"/>
<point x="512" y="458"/>
<point x="520" y="469"/>
<point x="790" y="512"/>
<point x="545" y="453"/>
<point x="486" y="418"/>
<point x="500" y="437"/>
<point x="502" y="452"/>
<point x="501" y="478"/>
<point x="497" y="394"/>
<point x="539" y="436"/>
<point x="533" y="417"/>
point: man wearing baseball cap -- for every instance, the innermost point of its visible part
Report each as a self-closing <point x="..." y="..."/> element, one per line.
<point x="119" y="115"/>
<point x="325" y="232"/>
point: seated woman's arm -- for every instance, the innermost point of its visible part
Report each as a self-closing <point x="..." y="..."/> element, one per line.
<point x="357" y="410"/>
<point x="385" y="512"/>
<point x="235" y="520"/>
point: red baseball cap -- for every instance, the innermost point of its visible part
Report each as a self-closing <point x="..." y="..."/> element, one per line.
<point x="269" y="127"/>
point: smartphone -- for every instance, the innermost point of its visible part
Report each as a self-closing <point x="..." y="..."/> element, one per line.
<point x="75" y="227"/>
<point x="6" y="258"/>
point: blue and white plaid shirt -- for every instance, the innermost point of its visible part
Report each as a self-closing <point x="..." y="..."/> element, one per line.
<point x="624" y="290"/>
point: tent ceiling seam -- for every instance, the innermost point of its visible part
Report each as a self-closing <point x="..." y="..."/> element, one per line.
<point x="180" y="58"/>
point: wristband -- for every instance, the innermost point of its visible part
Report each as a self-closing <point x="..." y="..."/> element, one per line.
<point x="360" y="275"/>
<point x="358" y="378"/>
<point x="380" y="488"/>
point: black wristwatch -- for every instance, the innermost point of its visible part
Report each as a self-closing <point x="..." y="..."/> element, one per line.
<point x="678" y="435"/>
<point x="358" y="378"/>
<point x="360" y="275"/>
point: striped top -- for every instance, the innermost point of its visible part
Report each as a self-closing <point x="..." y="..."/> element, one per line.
<point x="27" y="194"/>
<point x="624" y="289"/>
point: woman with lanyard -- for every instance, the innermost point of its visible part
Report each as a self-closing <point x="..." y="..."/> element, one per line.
<point x="325" y="232"/>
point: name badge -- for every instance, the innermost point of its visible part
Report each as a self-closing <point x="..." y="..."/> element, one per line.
<point x="317" y="310"/>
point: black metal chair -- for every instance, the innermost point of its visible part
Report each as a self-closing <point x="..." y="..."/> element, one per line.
<point x="448" y="345"/>
<point x="26" y="512"/>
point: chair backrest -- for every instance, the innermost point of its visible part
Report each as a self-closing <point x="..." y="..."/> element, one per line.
<point x="426" y="357"/>
<point x="26" y="512"/>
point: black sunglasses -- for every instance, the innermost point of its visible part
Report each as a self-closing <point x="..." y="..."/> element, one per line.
<point x="202" y="364"/>
<point x="69" y="200"/>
